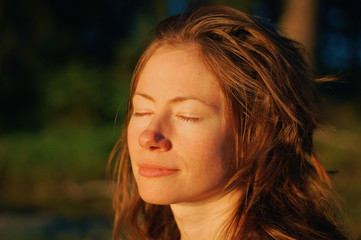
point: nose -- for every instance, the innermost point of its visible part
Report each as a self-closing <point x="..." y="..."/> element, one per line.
<point x="153" y="140"/>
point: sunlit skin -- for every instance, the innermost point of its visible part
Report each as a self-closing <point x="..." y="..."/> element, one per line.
<point x="177" y="136"/>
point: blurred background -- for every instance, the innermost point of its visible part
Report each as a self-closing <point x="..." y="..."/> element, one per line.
<point x="65" y="68"/>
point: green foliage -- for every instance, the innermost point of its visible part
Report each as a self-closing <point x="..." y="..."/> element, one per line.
<point x="339" y="149"/>
<point x="80" y="94"/>
<point x="57" y="173"/>
<point x="57" y="153"/>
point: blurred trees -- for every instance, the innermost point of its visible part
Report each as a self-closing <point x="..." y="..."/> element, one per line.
<point x="299" y="22"/>
<point x="64" y="61"/>
<point x="67" y="62"/>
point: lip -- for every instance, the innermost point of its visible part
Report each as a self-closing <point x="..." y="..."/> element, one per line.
<point x="154" y="171"/>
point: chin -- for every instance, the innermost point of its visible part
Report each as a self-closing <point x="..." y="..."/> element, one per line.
<point x="156" y="199"/>
<point x="158" y="191"/>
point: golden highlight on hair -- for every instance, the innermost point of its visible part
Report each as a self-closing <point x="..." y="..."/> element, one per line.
<point x="272" y="104"/>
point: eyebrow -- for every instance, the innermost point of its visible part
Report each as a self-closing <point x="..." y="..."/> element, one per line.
<point x="175" y="100"/>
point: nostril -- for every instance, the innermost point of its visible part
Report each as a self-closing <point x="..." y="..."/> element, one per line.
<point x="152" y="141"/>
<point x="165" y="145"/>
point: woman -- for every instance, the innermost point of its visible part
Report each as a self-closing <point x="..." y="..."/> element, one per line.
<point x="217" y="142"/>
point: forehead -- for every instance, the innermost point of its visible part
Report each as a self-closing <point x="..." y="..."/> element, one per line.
<point x="178" y="68"/>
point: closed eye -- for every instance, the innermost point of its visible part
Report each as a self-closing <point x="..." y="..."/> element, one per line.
<point x="189" y="119"/>
<point x="141" y="114"/>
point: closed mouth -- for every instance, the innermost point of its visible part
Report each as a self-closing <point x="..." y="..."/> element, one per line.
<point x="153" y="171"/>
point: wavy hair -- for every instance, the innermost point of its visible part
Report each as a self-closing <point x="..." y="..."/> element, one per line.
<point x="287" y="193"/>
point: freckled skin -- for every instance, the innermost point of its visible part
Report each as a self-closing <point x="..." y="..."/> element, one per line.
<point x="179" y="123"/>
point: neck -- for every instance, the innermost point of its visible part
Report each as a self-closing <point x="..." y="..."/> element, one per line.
<point x="203" y="220"/>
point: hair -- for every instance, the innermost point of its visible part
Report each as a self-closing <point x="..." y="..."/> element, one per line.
<point x="273" y="106"/>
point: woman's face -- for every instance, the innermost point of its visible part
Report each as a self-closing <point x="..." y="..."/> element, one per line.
<point x="177" y="132"/>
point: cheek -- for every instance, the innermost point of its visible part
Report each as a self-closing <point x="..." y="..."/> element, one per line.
<point x="210" y="142"/>
<point x="132" y="136"/>
<point x="206" y="151"/>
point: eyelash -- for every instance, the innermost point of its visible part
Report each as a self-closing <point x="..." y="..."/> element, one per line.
<point x="141" y="114"/>
<point x="188" y="119"/>
<point x="183" y="118"/>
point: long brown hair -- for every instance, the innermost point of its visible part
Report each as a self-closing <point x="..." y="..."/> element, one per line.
<point x="271" y="98"/>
